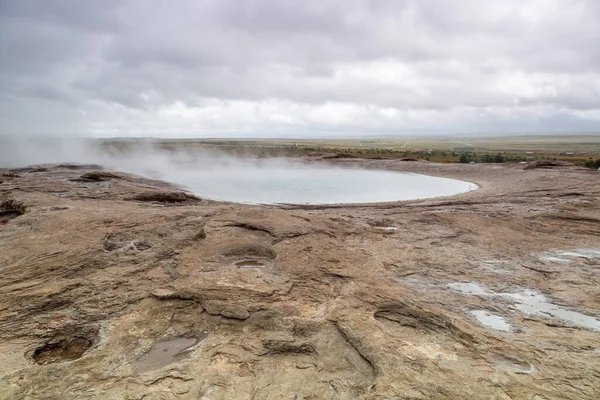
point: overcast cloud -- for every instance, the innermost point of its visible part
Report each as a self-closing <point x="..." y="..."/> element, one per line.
<point x="298" y="67"/>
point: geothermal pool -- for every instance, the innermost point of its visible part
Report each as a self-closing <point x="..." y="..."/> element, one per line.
<point x="272" y="184"/>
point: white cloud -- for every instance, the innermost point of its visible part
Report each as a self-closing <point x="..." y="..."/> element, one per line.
<point x="269" y="68"/>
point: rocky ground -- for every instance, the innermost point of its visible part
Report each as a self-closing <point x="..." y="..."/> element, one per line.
<point x="118" y="287"/>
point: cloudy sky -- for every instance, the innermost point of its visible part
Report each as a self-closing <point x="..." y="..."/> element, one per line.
<point x="232" y="68"/>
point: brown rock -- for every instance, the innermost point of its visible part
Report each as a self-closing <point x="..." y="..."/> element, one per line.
<point x="310" y="301"/>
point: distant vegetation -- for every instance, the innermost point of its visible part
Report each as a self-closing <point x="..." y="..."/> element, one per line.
<point x="583" y="150"/>
<point x="485" y="158"/>
<point x="593" y="164"/>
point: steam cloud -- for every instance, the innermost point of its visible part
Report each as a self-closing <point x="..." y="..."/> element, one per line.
<point x="222" y="177"/>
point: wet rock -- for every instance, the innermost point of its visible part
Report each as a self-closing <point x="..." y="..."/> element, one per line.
<point x="200" y="235"/>
<point x="250" y="250"/>
<point x="62" y="350"/>
<point x="167" y="351"/>
<point x="38" y="169"/>
<point x="28" y="170"/>
<point x="112" y="245"/>
<point x="249" y="264"/>
<point x="166" y="197"/>
<point x="99" y="176"/>
<point x="142" y="246"/>
<point x="278" y="347"/>
<point x="77" y="167"/>
<point x="10" y="209"/>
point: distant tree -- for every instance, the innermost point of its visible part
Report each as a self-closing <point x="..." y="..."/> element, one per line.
<point x="465" y="158"/>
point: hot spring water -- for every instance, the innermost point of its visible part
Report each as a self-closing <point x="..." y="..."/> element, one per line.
<point x="220" y="177"/>
<point x="299" y="184"/>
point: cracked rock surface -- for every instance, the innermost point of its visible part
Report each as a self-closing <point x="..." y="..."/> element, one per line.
<point x="114" y="286"/>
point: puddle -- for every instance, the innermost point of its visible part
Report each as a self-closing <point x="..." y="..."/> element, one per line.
<point x="534" y="303"/>
<point x="530" y="302"/>
<point x="249" y="264"/>
<point x="490" y="320"/>
<point x="168" y="351"/>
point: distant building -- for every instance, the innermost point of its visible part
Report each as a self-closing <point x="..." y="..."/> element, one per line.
<point x="569" y="153"/>
<point x="529" y="153"/>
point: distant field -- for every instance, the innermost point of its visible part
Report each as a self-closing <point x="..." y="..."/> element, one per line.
<point x="576" y="148"/>
<point x="567" y="143"/>
<point x="586" y="143"/>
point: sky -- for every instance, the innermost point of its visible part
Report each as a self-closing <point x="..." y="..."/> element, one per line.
<point x="298" y="68"/>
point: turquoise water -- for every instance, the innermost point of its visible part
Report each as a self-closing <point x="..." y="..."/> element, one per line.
<point x="274" y="183"/>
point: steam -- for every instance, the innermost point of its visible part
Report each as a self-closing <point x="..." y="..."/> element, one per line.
<point x="219" y="176"/>
<point x="196" y="169"/>
<point x="16" y="152"/>
<point x="142" y="157"/>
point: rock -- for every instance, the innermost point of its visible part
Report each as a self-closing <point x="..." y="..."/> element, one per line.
<point x="165" y="197"/>
<point x="10" y="209"/>
<point x="306" y="301"/>
<point x="549" y="164"/>
<point x="99" y="176"/>
<point x="274" y="347"/>
<point x="227" y="310"/>
<point x="200" y="235"/>
<point x="63" y="350"/>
